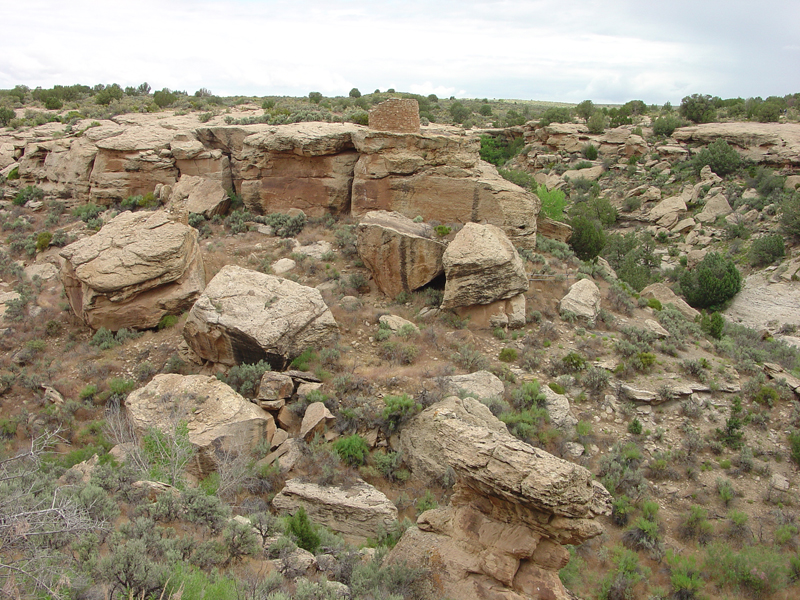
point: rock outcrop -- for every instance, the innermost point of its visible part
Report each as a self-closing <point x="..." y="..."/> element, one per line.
<point x="513" y="507"/>
<point x="481" y="266"/>
<point x="358" y="511"/>
<point x="139" y="267"/>
<point x="305" y="165"/>
<point x="218" y="419"/>
<point x="438" y="175"/>
<point x="244" y="316"/>
<point x="402" y="255"/>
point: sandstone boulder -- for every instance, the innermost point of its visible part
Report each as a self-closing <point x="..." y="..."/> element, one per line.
<point x="559" y="410"/>
<point x="315" y="420"/>
<point x="202" y="196"/>
<point x="716" y="206"/>
<point x="513" y="507"/>
<point x="481" y="266"/>
<point x="663" y="294"/>
<point x="358" y="511"/>
<point x="245" y="316"/>
<point x="480" y="384"/>
<point x="583" y="300"/>
<point x="394" y="323"/>
<point x="139" y="267"/>
<point x="218" y="419"/>
<point x="667" y="212"/>
<point x="508" y="313"/>
<point x="554" y="230"/>
<point x="401" y="254"/>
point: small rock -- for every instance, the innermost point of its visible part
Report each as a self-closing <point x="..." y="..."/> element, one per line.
<point x="779" y="482"/>
<point x="315" y="420"/>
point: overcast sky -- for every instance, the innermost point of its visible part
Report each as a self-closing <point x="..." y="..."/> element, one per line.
<point x="609" y="51"/>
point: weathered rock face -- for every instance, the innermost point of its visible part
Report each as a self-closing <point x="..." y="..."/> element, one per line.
<point x="480" y="384"/>
<point x="583" y="299"/>
<point x="481" y="266"/>
<point x="402" y="255"/>
<point x="218" y="419"/>
<point x="554" y="230"/>
<point x="305" y="165"/>
<point x="245" y="316"/>
<point x="132" y="163"/>
<point x="438" y="175"/>
<point x="202" y="196"/>
<point x="771" y="143"/>
<point x="358" y="511"/>
<point x="139" y="267"/>
<point x="513" y="508"/>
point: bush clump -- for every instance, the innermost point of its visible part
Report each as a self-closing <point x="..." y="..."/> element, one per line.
<point x="352" y="449"/>
<point x="720" y="156"/>
<point x="766" y="250"/>
<point x="245" y="378"/>
<point x="27" y="194"/>
<point x="713" y="282"/>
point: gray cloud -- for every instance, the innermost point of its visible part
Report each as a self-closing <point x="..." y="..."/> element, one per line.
<point x="610" y="51"/>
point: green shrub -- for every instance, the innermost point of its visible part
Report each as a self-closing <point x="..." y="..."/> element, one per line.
<point x="713" y="325"/>
<point x="353" y="450"/>
<point x="553" y="202"/>
<point x="718" y="155"/>
<point x="665" y="126"/>
<point x="245" y="378"/>
<point x="756" y="570"/>
<point x="590" y="151"/>
<point x="302" y="529"/>
<point x="766" y="250"/>
<point x="619" y="582"/>
<point x="43" y="240"/>
<point x="104" y="339"/>
<point x="794" y="446"/>
<point x="499" y="150"/>
<point x="556" y="114"/>
<point x="164" y="98"/>
<point x="588" y="237"/>
<point x="87" y="212"/>
<point x="442" y="230"/>
<point x="573" y="362"/>
<point x="635" y="427"/>
<point x="6" y="114"/>
<point x="303" y="361"/>
<point x="27" y="194"/>
<point x="790" y="214"/>
<point x="508" y="355"/>
<point x="698" y="108"/>
<point x="713" y="282"/>
<point x="398" y="409"/>
<point x="167" y="321"/>
<point x="596" y="123"/>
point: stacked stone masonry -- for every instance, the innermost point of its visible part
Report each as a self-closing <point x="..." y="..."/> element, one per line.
<point x="396" y="115"/>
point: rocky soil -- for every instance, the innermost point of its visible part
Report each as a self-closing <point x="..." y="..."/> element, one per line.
<point x="506" y="395"/>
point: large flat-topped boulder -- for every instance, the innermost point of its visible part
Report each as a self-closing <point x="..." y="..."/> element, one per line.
<point x="139" y="267"/>
<point x="244" y="316"/>
<point x="358" y="511"/>
<point x="402" y="255"/>
<point x="305" y="165"/>
<point x="438" y="175"/>
<point x="771" y="143"/>
<point x="395" y="114"/>
<point x="513" y="507"/>
<point x="481" y="266"/>
<point x="218" y="419"/>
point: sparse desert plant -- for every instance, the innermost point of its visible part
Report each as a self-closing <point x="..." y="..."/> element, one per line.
<point x="353" y="450"/>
